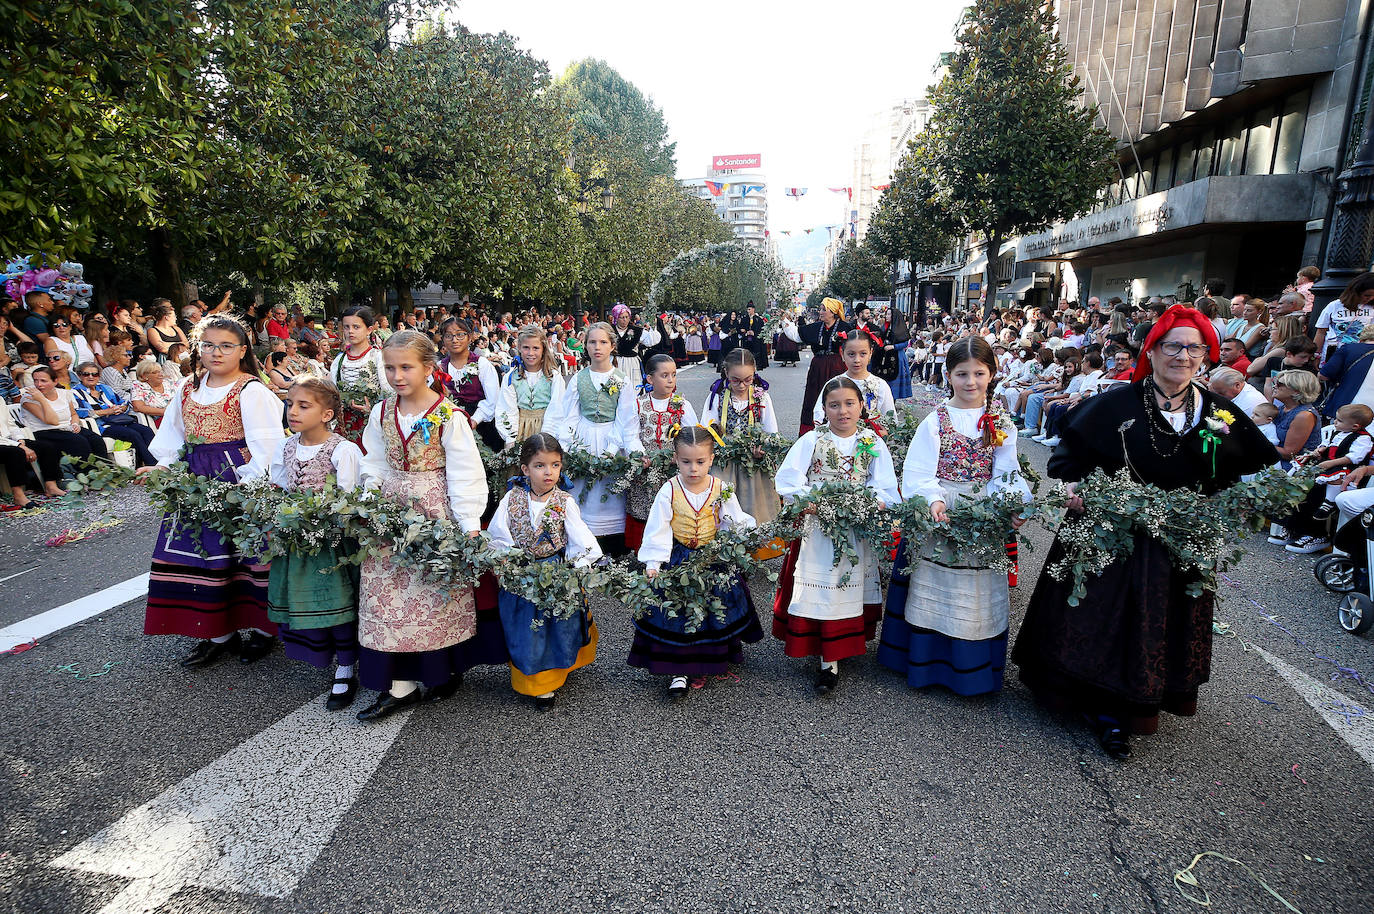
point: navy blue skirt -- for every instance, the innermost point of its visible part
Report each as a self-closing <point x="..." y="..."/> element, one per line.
<point x="553" y="644"/>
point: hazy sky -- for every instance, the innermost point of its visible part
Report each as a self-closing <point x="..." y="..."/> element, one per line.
<point x="797" y="82"/>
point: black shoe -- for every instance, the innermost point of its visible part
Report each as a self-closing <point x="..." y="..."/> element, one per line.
<point x="337" y="701"/>
<point x="826" y="681"/>
<point x="256" y="647"/>
<point x="677" y="692"/>
<point x="387" y="705"/>
<point x="545" y="703"/>
<point x="440" y="692"/>
<point x="1115" y="742"/>
<point x="208" y="652"/>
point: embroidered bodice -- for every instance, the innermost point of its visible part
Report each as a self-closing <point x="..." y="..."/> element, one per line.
<point x="962" y="459"/>
<point x="692" y="527"/>
<point x="217" y="423"/>
<point x="309" y="474"/>
<point x="733" y="417"/>
<point x="551" y="536"/>
<point x="655" y="426"/>
<point x="827" y="462"/>
<point x="411" y="453"/>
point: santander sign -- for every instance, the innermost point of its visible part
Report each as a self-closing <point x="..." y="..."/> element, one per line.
<point x="752" y="160"/>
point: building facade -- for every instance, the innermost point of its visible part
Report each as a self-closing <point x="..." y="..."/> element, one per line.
<point x="738" y="189"/>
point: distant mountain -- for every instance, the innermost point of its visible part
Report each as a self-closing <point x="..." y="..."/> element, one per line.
<point x="802" y="252"/>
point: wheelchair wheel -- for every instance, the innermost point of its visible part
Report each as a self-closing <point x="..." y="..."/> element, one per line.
<point x="1335" y="572"/>
<point x="1356" y="613"/>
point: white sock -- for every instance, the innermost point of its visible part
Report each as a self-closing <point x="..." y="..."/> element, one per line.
<point x="400" y="688"/>
<point x="223" y="638"/>
<point x="545" y="695"/>
<point x="679" y="682"/>
<point x="345" y="671"/>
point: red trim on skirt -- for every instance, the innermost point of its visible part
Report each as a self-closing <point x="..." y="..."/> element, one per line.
<point x="830" y="639"/>
<point x="634" y="533"/>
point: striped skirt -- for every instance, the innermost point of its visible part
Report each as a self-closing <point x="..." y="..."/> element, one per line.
<point x="829" y="639"/>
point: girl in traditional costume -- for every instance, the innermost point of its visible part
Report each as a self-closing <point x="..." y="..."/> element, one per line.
<point x="687" y="513"/>
<point x="470" y="381"/>
<point x="532" y="392"/>
<point x="823" y="609"/>
<point x="419" y="449"/>
<point x="946" y="624"/>
<point x="224" y="418"/>
<point x="542" y="519"/>
<point x="857" y="350"/>
<point x="662" y="411"/>
<point x="315" y="607"/>
<point x="740" y="401"/>
<point x="357" y="372"/>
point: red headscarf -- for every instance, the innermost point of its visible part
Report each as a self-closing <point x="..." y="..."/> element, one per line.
<point x="1177" y="316"/>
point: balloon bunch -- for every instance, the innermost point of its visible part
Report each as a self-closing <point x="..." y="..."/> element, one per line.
<point x="66" y="283"/>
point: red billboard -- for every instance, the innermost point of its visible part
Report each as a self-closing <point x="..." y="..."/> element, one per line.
<point x="750" y="160"/>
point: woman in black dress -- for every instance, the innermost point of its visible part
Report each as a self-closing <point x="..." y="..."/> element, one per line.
<point x="1137" y="643"/>
<point x="825" y="337"/>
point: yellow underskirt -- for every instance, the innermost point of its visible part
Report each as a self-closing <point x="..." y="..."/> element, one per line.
<point x="770" y="550"/>
<point x="552" y="680"/>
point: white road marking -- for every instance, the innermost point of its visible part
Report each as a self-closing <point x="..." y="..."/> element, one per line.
<point x="1326" y="702"/>
<point x="252" y="821"/>
<point x="45" y="623"/>
<point x="10" y="577"/>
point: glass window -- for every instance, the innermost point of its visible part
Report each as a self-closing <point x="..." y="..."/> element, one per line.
<point x="1147" y="173"/>
<point x="1183" y="168"/>
<point x="1259" y="151"/>
<point x="1292" y="122"/>
<point x="1206" y="149"/>
<point x="1231" y="149"/>
<point x="1164" y="172"/>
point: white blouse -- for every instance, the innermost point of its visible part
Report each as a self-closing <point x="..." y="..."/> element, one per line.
<point x="508" y="407"/>
<point x="625" y="438"/>
<point x="657" y="546"/>
<point x="689" y="413"/>
<point x="463" y="471"/>
<point x="715" y="410"/>
<point x="581" y="543"/>
<point x="491" y="385"/>
<point x="10" y="435"/>
<point x="64" y="406"/>
<point x="918" y="474"/>
<point x="346" y="460"/>
<point x="262" y="423"/>
<point x="792" y="480"/>
<point x="872" y="386"/>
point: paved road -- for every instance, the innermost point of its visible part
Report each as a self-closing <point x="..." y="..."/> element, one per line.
<point x="149" y="788"/>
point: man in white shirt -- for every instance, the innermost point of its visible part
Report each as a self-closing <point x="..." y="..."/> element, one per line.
<point x="1229" y="383"/>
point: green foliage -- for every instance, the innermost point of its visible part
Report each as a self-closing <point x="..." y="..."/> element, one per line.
<point x="859" y="272"/>
<point x="724" y="274"/>
<point x="909" y="223"/>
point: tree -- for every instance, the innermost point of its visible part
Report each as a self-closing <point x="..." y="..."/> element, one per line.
<point x="1011" y="148"/>
<point x="858" y="272"/>
<point x="908" y="223"/>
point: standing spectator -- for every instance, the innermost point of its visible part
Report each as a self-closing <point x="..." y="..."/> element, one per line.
<point x="1255" y="334"/>
<point x="1307" y="278"/>
<point x="128" y="316"/>
<point x="164" y="330"/>
<point x="1347" y="374"/>
<point x="190" y="316"/>
<point x="1341" y="321"/>
<point x="1237" y="321"/>
<point x="178" y="364"/>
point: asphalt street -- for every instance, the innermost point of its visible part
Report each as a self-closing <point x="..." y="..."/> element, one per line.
<point x="128" y="784"/>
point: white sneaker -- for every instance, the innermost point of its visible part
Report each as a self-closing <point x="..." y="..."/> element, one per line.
<point x="1306" y="545"/>
<point x="1051" y="442"/>
<point x="1278" y="534"/>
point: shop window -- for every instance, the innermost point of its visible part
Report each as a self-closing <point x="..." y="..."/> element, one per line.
<point x="1206" y="149"/>
<point x="1164" y="171"/>
<point x="1259" y="151"/>
<point x="1231" y="149"/>
<point x="1292" y="124"/>
<point x="1183" y="168"/>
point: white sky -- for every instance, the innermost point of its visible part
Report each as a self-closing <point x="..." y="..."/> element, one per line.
<point x="795" y="81"/>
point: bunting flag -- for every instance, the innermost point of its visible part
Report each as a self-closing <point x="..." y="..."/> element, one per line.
<point x="716" y="188"/>
<point x="882" y="186"/>
<point x="788" y="232"/>
<point x="848" y="191"/>
<point x="749" y="187"/>
<point x="796" y="191"/>
<point x="808" y="231"/>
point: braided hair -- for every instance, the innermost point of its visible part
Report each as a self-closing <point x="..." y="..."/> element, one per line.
<point x="976" y="349"/>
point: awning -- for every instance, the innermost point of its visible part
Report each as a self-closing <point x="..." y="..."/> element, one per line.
<point x="1018" y="288"/>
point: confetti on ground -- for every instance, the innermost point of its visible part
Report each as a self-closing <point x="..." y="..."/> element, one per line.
<point x="20" y="648"/>
<point x="72" y="536"/>
<point x="75" y="671"/>
<point x="1185" y="877"/>
<point x="1294" y="772"/>
<point x="1262" y="700"/>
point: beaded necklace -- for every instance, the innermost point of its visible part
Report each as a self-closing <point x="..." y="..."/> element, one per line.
<point x="1157" y="421"/>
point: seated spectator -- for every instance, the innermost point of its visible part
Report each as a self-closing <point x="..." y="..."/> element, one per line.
<point x="151" y="391"/>
<point x="1233" y="354"/>
<point x="1263" y="416"/>
<point x="278" y="377"/>
<point x="116" y="372"/>
<point x="28" y="360"/>
<point x="178" y="364"/>
<point x="1298" y="424"/>
<point x="53" y="418"/>
<point x="16" y="453"/>
<point x="1123" y="366"/>
<point x="1297" y="353"/>
<point x="1345" y="445"/>
<point x="9" y="387"/>
<point x="1230" y="383"/>
<point x="60" y="361"/>
<point x="114" y="416"/>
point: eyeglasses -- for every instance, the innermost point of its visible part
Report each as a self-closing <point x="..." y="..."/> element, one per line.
<point x="57" y="324"/>
<point x="741" y="380"/>
<point x="1280" y="384"/>
<point x="90" y="374"/>
<point x="55" y="356"/>
<point x="221" y="348"/>
<point x="1194" y="350"/>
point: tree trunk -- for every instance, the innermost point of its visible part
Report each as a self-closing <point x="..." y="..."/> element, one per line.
<point x="991" y="276"/>
<point x="165" y="259"/>
<point x="379" y="300"/>
<point x="404" y="300"/>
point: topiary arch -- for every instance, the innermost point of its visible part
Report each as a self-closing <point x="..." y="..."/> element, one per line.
<point x="775" y="279"/>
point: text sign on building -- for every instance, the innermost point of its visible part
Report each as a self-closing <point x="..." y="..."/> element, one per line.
<point x="751" y="160"/>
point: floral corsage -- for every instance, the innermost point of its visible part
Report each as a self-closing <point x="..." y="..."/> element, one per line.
<point x="1217" y="424"/>
<point x="434" y="420"/>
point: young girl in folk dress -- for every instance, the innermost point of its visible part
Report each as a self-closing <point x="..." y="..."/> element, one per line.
<point x="857" y="352"/>
<point x="470" y="381"/>
<point x="315" y="608"/>
<point x="948" y="625"/>
<point x="224" y="417"/>
<point x="411" y="631"/>
<point x="532" y="393"/>
<point x="662" y="411"/>
<point x="687" y="513"/>
<point x="814" y="614"/>
<point x="599" y="416"/>
<point x="358" y="373"/>
<point x="543" y="520"/>
<point x="738" y="401"/>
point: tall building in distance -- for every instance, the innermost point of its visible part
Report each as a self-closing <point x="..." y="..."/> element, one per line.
<point x="736" y="186"/>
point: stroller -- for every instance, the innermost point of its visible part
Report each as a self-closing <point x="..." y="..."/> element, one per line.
<point x="1349" y="575"/>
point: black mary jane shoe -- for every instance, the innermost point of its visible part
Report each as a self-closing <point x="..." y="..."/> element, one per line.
<point x="440" y="692"/>
<point x="256" y="647"/>
<point x="545" y="703"/>
<point x="826" y="681"/>
<point x="337" y="701"/>
<point x="387" y="705"/>
<point x="677" y="692"/>
<point x="1115" y="742"/>
<point x="208" y="652"/>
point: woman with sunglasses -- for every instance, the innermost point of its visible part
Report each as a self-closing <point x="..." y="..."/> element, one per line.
<point x="65" y="335"/>
<point x="114" y="416"/>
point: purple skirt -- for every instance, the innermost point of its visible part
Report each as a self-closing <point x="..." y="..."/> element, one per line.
<point x="321" y="646"/>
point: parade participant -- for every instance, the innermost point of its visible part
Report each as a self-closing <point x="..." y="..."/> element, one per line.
<point x="814" y="614"/>
<point x="313" y="598"/>
<point x="358" y="372"/>
<point x="687" y="513"/>
<point x="785" y="348"/>
<point x="418" y="449"/>
<point x="946" y="620"/>
<point x="696" y="344"/>
<point x="824" y="337"/>
<point x="224" y="417"/>
<point x="629" y="340"/>
<point x="530" y="389"/>
<point x="1138" y="642"/>
<point x="713" y="344"/>
<point x="750" y="329"/>
<point x="662" y="411"/>
<point x="470" y="381"/>
<point x="738" y="401"/>
<point x="598" y="415"/>
<point x="858" y="350"/>
<point x="898" y="337"/>
<point x="543" y="520"/>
